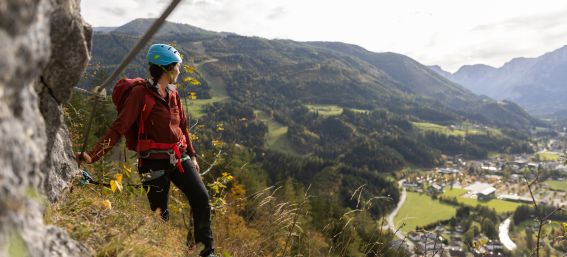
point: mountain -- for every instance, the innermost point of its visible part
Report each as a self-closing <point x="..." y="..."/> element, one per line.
<point x="439" y="70"/>
<point x="103" y="29"/>
<point x="387" y="103"/>
<point x="538" y="84"/>
<point x="139" y="26"/>
<point x="374" y="79"/>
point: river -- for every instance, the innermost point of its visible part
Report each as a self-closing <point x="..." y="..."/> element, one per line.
<point x="504" y="236"/>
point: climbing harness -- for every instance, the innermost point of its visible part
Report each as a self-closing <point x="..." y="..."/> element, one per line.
<point x="173" y="159"/>
<point x="151" y="175"/>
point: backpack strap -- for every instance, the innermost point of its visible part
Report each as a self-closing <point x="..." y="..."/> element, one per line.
<point x="144" y="145"/>
<point x="149" y="102"/>
<point x="183" y="117"/>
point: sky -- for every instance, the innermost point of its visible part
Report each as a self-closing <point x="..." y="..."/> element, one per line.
<point x="449" y="33"/>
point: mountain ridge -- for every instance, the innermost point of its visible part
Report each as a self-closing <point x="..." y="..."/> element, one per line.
<point x="536" y="83"/>
<point x="382" y="98"/>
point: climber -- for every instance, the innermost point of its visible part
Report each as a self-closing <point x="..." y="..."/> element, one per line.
<point x="153" y="112"/>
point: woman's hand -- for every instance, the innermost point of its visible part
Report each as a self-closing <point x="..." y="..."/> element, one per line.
<point x="85" y="157"/>
<point x="194" y="159"/>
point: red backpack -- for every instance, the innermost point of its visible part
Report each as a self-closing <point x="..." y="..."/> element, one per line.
<point x="121" y="91"/>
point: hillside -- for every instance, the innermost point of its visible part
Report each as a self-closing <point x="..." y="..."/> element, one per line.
<point x="410" y="75"/>
<point x="378" y="95"/>
<point x="537" y="84"/>
<point x="301" y="143"/>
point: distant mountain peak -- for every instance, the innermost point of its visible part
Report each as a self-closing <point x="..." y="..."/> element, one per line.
<point x="474" y="67"/>
<point x="140" y="25"/>
<point x="104" y="29"/>
<point x="440" y="71"/>
<point x="537" y="83"/>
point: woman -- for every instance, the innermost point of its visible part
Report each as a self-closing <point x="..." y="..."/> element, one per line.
<point x="165" y="125"/>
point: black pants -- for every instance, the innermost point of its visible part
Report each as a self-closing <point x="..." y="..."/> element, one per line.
<point x="190" y="183"/>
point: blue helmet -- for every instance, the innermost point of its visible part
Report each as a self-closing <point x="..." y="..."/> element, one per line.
<point x="162" y="54"/>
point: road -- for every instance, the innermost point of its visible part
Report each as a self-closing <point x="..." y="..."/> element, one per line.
<point x="504" y="236"/>
<point x="392" y="215"/>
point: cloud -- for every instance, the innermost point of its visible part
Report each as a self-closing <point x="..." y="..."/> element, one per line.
<point x="276" y="13"/>
<point x="116" y="11"/>
<point x="445" y="32"/>
<point x="534" y="22"/>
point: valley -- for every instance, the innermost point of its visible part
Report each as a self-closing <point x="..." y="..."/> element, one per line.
<point x="437" y="200"/>
<point x="342" y="121"/>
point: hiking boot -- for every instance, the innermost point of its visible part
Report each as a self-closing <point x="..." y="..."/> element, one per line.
<point x="207" y="252"/>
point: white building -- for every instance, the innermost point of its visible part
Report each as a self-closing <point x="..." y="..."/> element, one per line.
<point x="482" y="191"/>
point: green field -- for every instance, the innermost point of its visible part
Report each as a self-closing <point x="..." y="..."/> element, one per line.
<point x="196" y="106"/>
<point x="557" y="185"/>
<point x="547" y="156"/>
<point x="325" y="110"/>
<point x="421" y="210"/>
<point x="330" y="110"/>
<point x="455" y="192"/>
<point x="218" y="94"/>
<point x="276" y="139"/>
<point x="465" y="129"/>
<point x="500" y="206"/>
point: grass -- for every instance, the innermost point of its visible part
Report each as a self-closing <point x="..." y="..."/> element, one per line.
<point x="547" y="156"/>
<point x="330" y="110"/>
<point x="500" y="206"/>
<point x="455" y="192"/>
<point x="218" y="94"/>
<point x="128" y="228"/>
<point x="421" y="210"/>
<point x="325" y="110"/>
<point x="468" y="129"/>
<point x="277" y="132"/>
<point x="196" y="106"/>
<point x="557" y="185"/>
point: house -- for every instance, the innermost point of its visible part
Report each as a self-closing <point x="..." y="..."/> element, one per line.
<point x="489" y="168"/>
<point x="411" y="184"/>
<point x="487" y="194"/>
<point x="494" y="248"/>
<point x="562" y="168"/>
<point x="515" y="198"/>
<point x="520" y="162"/>
<point x="399" y="244"/>
<point x="448" y="171"/>
<point x="435" y="189"/>
<point x="414" y="236"/>
<point x="457" y="253"/>
<point x="482" y="191"/>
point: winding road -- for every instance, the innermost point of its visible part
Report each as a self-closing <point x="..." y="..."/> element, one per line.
<point x="392" y="215"/>
<point x="503" y="228"/>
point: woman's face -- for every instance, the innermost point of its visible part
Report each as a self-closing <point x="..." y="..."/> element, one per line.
<point x="172" y="74"/>
<point x="175" y="73"/>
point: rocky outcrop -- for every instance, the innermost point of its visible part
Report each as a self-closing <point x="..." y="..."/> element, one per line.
<point x="70" y="40"/>
<point x="45" y="49"/>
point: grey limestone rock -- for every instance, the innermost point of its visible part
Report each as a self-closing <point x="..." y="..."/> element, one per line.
<point x="44" y="50"/>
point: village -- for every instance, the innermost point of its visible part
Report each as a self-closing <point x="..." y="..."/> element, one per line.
<point x="499" y="184"/>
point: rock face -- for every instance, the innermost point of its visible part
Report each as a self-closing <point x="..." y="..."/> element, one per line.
<point x="45" y="49"/>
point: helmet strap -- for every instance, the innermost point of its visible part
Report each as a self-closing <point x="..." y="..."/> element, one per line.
<point x="169" y="74"/>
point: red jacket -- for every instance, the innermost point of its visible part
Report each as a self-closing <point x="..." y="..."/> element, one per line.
<point x="164" y="124"/>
